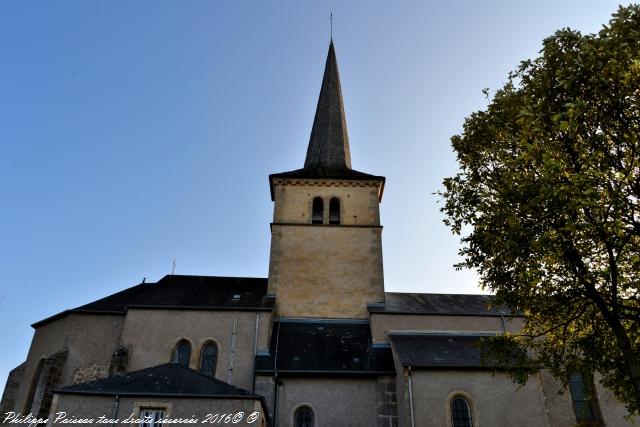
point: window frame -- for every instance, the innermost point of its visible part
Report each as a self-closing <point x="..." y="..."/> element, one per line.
<point x="36" y="379"/>
<point x="332" y="211"/>
<point x="138" y="407"/>
<point x="304" y="407"/>
<point x="473" y="411"/>
<point x="201" y="358"/>
<point x="317" y="212"/>
<point x="154" y="411"/>
<point x="590" y="399"/>
<point x="174" y="354"/>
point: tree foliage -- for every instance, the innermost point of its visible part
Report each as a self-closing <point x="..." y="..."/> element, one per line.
<point x="547" y="203"/>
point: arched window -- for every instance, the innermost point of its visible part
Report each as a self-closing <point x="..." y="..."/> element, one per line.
<point x="461" y="412"/>
<point x="182" y="353"/>
<point x="209" y="359"/>
<point x="585" y="404"/>
<point x="317" y="213"/>
<point x="303" y="417"/>
<point x="32" y="404"/>
<point x="334" y="211"/>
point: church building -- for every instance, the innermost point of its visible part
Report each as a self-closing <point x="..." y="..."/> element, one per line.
<point x="316" y="343"/>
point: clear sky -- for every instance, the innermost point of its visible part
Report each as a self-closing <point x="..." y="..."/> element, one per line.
<point x="135" y="133"/>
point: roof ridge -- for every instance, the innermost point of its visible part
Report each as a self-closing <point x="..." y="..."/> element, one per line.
<point x="439" y="293"/>
<point x="211" y="277"/>
<point x="443" y="334"/>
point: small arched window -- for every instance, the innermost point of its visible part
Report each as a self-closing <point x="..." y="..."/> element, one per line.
<point x="182" y="353"/>
<point x="317" y="214"/>
<point x="334" y="211"/>
<point x="461" y="412"/>
<point x="303" y="417"/>
<point x="209" y="359"/>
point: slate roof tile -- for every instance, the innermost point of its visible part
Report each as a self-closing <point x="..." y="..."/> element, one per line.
<point x="440" y="350"/>
<point x="443" y="304"/>
<point x="324" y="346"/>
<point x="328" y="153"/>
<point x="170" y="379"/>
<point x="182" y="291"/>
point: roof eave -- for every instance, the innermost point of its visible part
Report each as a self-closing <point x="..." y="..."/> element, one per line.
<point x="262" y="400"/>
<point x="65" y="313"/>
<point x="381" y="179"/>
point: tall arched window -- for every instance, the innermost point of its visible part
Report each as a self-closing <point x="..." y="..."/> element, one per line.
<point x="317" y="214"/>
<point x="585" y="404"/>
<point x="303" y="417"/>
<point x="461" y="412"/>
<point x="209" y="359"/>
<point x="32" y="405"/>
<point x="334" y="211"/>
<point x="182" y="353"/>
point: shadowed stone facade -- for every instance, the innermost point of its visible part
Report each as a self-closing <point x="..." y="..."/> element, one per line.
<point x="317" y="340"/>
<point x="10" y="393"/>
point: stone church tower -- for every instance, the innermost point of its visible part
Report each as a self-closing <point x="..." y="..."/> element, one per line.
<point x="316" y="343"/>
<point x="326" y="237"/>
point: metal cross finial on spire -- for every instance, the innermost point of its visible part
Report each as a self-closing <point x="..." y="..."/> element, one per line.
<point x="331" y="20"/>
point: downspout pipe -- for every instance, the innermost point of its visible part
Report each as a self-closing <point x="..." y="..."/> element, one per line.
<point x="504" y="323"/>
<point x="255" y="352"/>
<point x="276" y="380"/>
<point x="116" y="403"/>
<point x="413" y="423"/>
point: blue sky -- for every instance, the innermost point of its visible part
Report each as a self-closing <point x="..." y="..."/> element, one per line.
<point x="137" y="133"/>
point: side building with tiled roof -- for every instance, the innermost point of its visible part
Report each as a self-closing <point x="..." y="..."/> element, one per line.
<point x="316" y="343"/>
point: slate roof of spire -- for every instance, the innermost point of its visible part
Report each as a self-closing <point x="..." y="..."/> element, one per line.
<point x="329" y="141"/>
<point x="328" y="154"/>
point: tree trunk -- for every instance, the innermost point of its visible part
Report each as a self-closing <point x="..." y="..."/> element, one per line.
<point x="631" y="359"/>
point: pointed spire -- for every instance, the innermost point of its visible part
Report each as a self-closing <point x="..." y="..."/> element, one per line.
<point x="329" y="141"/>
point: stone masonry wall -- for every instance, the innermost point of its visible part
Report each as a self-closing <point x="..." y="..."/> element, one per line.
<point x="91" y="372"/>
<point x="387" y="402"/>
<point x="326" y="270"/>
<point x="11" y="389"/>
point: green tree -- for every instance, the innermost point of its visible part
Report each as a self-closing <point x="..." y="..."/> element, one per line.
<point x="547" y="204"/>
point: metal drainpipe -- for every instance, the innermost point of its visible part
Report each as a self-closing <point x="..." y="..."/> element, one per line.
<point x="275" y="375"/>
<point x="413" y="424"/>
<point x="116" y="402"/>
<point x="232" y="354"/>
<point x="504" y="323"/>
<point x="255" y="352"/>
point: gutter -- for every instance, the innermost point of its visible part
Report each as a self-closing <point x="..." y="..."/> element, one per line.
<point x="123" y="312"/>
<point x="164" y="395"/>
